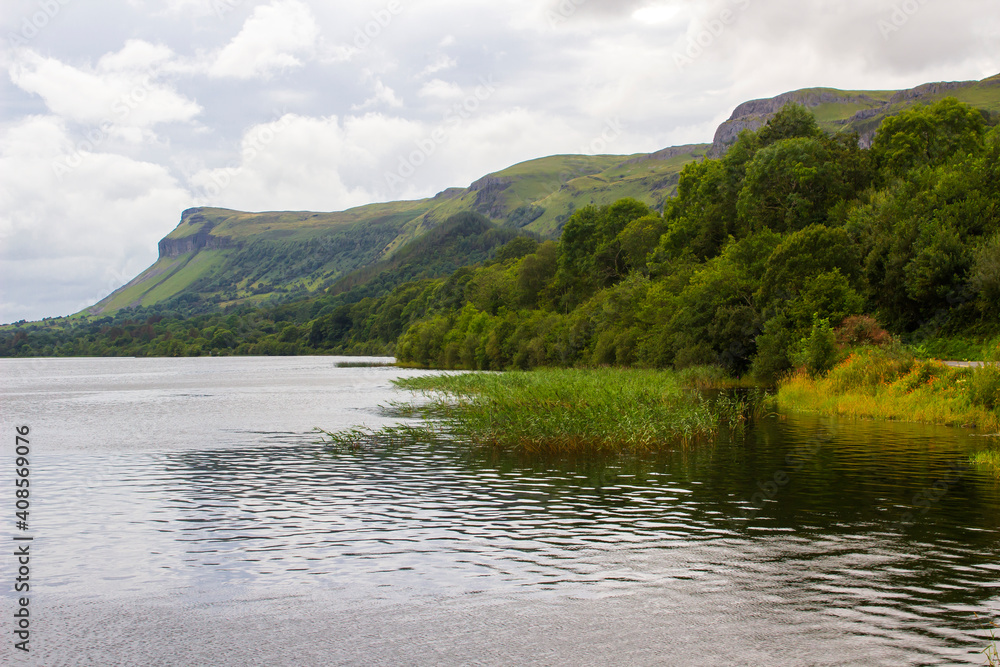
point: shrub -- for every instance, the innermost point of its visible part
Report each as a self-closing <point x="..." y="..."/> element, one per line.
<point x="859" y="330"/>
<point x="922" y="373"/>
<point x="869" y="368"/>
<point x="984" y="387"/>
<point x="819" y="350"/>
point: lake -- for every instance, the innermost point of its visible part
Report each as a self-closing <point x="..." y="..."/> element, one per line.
<point x="186" y="512"/>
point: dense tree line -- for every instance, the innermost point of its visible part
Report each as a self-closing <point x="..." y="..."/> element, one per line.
<point x="765" y="255"/>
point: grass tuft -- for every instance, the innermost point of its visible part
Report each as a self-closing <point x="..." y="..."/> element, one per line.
<point x="991" y="652"/>
<point x="562" y="410"/>
<point x="989" y="458"/>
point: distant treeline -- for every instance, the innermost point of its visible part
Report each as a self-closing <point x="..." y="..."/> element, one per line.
<point x="763" y="257"/>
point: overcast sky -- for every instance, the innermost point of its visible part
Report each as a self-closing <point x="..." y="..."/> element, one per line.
<point x="117" y="115"/>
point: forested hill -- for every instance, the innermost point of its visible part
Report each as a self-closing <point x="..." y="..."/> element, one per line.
<point x="794" y="239"/>
<point x="217" y="259"/>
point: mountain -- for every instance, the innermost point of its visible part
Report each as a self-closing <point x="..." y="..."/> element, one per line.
<point x="218" y="257"/>
<point x="856" y="111"/>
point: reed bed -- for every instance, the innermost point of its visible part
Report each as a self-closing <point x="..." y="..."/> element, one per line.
<point x="564" y="410"/>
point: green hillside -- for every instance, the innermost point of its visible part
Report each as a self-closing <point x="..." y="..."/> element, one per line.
<point x="792" y="249"/>
<point x="860" y="111"/>
<point x="218" y="257"/>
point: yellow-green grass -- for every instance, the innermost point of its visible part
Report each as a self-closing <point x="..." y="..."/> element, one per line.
<point x="989" y="458"/>
<point x="167" y="277"/>
<point x="647" y="185"/>
<point x="874" y="384"/>
<point x="564" y="410"/>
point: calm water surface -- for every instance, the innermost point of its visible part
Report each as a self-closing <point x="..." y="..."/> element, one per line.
<point x="185" y="512"/>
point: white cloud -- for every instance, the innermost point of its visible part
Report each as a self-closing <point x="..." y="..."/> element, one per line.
<point x="272" y="39"/>
<point x="439" y="64"/>
<point x="384" y="96"/>
<point x="67" y="239"/>
<point x="303" y="164"/>
<point x="124" y="90"/>
<point x="657" y="14"/>
<point x="563" y="69"/>
<point x="441" y="89"/>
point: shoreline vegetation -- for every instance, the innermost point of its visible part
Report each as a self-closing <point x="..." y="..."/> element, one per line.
<point x="567" y="410"/>
<point x="771" y="262"/>
<point x="890" y="385"/>
<point x="874" y="383"/>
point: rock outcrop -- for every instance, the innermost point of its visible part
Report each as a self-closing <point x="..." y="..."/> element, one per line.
<point x="202" y="239"/>
<point x="754" y="114"/>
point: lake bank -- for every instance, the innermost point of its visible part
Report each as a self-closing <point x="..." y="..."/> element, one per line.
<point x="881" y="385"/>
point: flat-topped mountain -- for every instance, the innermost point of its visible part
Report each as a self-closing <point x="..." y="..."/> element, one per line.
<point x="218" y="257"/>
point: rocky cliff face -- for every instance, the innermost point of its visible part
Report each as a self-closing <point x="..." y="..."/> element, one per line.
<point x="489" y="195"/>
<point x="202" y="239"/>
<point x="754" y="114"/>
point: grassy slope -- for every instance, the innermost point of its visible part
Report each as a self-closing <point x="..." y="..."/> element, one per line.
<point x="560" y="184"/>
<point x="553" y="187"/>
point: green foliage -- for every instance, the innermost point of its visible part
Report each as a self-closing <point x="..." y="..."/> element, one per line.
<point x="793" y="121"/>
<point x="984" y="387"/>
<point x="790" y="185"/>
<point x="928" y="136"/>
<point x="765" y="258"/>
<point x="819" y="350"/>
<point x="570" y="410"/>
<point x="868" y="369"/>
<point x="591" y="255"/>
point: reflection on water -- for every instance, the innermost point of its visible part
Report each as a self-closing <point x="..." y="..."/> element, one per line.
<point x="795" y="541"/>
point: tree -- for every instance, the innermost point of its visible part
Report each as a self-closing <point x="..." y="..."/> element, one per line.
<point x="792" y="121"/>
<point x="790" y="185"/>
<point x="927" y="136"/>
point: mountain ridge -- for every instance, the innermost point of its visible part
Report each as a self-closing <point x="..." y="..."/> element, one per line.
<point x="219" y="257"/>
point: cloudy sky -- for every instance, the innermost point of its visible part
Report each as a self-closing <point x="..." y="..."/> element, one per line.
<point x="117" y="115"/>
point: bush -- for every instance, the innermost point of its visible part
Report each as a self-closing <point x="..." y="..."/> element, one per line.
<point x="922" y="373"/>
<point x="869" y="368"/>
<point x="858" y="330"/>
<point x="984" y="387"/>
<point x="819" y="350"/>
